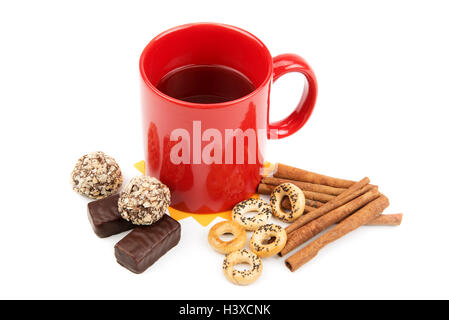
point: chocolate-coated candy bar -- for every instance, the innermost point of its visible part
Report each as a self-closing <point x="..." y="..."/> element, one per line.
<point x="143" y="246"/>
<point x="104" y="217"/>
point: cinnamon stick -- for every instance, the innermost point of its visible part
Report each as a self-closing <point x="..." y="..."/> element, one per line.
<point x="351" y="193"/>
<point x="310" y="203"/>
<point x="394" y="219"/>
<point x="382" y="220"/>
<point x="308" y="231"/>
<point x="305" y="186"/>
<point x="322" y="197"/>
<point x="386" y="220"/>
<point x="359" y="218"/>
<point x="263" y="188"/>
<point x="307" y="209"/>
<point x="292" y="173"/>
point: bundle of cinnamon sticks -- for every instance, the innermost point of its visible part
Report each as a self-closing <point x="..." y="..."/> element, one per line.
<point x="348" y="204"/>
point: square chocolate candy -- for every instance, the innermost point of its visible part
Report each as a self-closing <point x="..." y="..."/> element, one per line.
<point x="143" y="246"/>
<point x="104" y="217"/>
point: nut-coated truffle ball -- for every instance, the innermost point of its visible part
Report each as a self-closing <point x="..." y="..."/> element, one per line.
<point x="144" y="200"/>
<point x="96" y="175"/>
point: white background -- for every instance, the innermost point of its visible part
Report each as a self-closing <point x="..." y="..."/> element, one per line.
<point x="69" y="84"/>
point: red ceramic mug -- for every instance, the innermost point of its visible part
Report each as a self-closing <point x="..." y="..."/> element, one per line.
<point x="211" y="155"/>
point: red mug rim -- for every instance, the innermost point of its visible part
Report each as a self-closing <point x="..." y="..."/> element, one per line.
<point x="250" y="36"/>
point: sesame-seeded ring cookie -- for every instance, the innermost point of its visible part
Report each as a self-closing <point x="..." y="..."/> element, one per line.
<point x="297" y="201"/>
<point x="237" y="243"/>
<point x="259" y="242"/>
<point x="251" y="223"/>
<point x="242" y="277"/>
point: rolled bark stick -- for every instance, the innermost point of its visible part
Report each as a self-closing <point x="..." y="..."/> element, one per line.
<point x="292" y="173"/>
<point x="394" y="219"/>
<point x="322" y="197"/>
<point x="386" y="220"/>
<point x="359" y="218"/>
<point x="351" y="193"/>
<point x="308" y="231"/>
<point x="307" y="209"/>
<point x="311" y="203"/>
<point x="265" y="188"/>
<point x="305" y="186"/>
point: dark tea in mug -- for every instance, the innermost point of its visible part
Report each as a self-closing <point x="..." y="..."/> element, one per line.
<point x="205" y="84"/>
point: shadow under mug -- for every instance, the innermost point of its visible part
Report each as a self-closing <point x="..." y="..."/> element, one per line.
<point x="211" y="155"/>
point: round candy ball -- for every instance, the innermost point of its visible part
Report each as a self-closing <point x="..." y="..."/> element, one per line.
<point x="144" y="200"/>
<point x="96" y="175"/>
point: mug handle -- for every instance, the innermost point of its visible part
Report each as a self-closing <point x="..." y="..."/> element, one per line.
<point x="283" y="64"/>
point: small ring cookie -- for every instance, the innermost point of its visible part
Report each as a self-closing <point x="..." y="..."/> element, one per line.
<point x="242" y="277"/>
<point x="251" y="223"/>
<point x="297" y="201"/>
<point x="265" y="233"/>
<point x="227" y="246"/>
